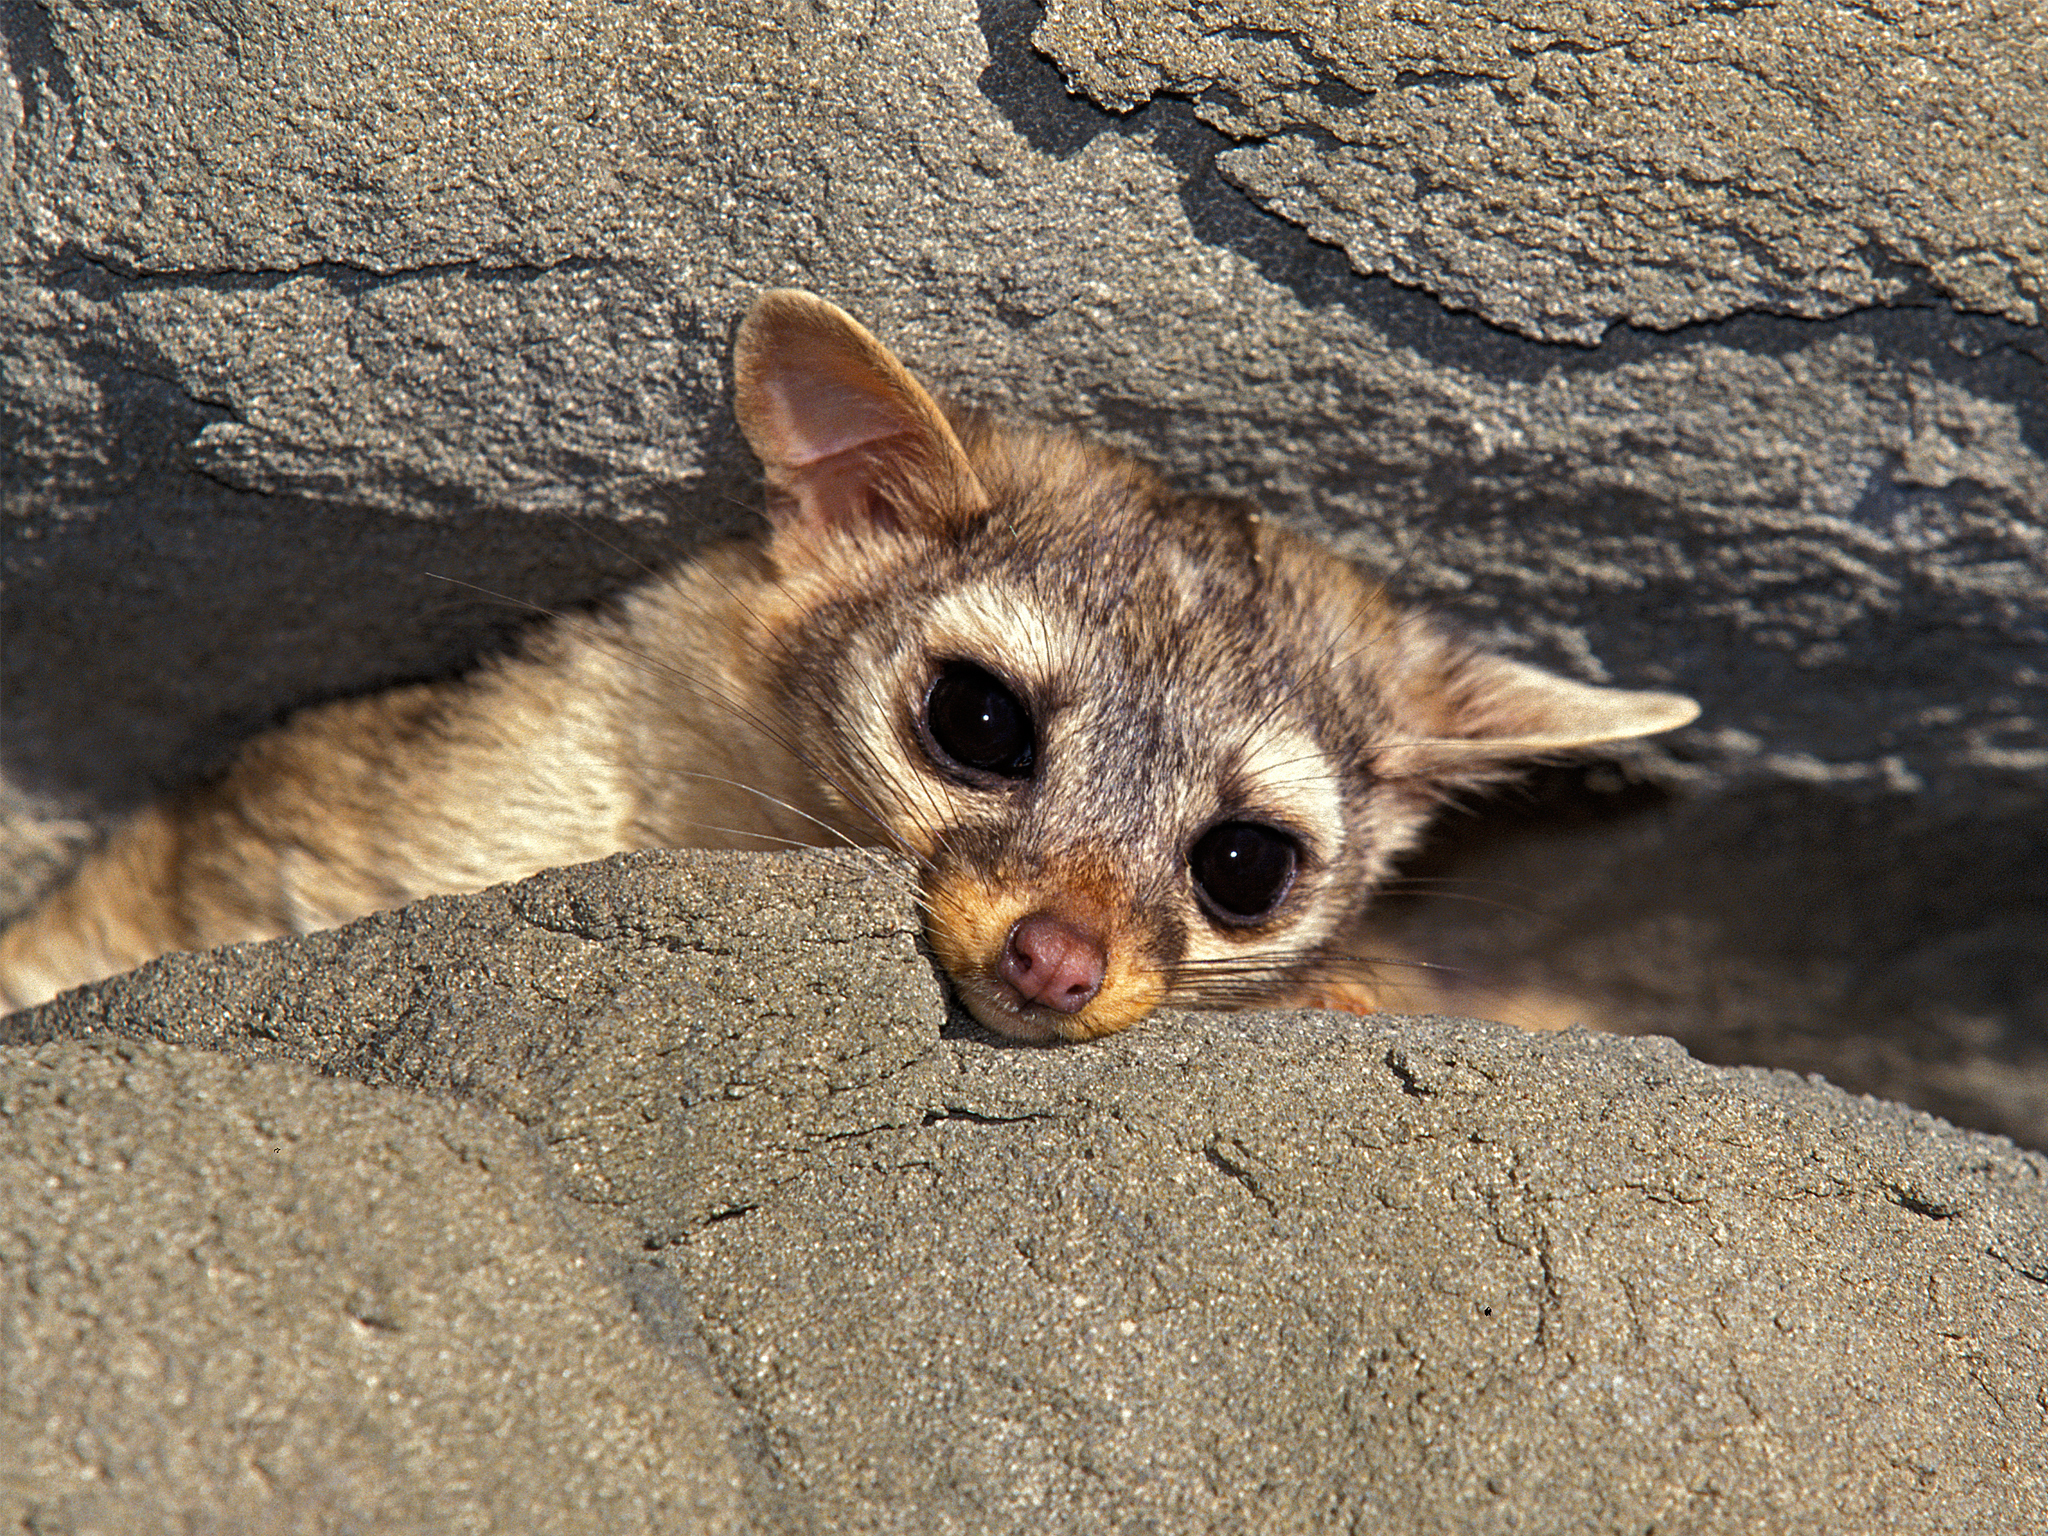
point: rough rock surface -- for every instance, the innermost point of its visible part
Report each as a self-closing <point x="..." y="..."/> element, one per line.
<point x="1557" y="168"/>
<point x="1273" y="1273"/>
<point x="241" y="1296"/>
<point x="303" y="313"/>
<point x="333" y="343"/>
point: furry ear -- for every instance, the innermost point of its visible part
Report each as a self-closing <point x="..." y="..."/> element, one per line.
<point x="1513" y="706"/>
<point x="1488" y="710"/>
<point x="852" y="443"/>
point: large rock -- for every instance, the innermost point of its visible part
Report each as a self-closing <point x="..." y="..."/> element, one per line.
<point x="306" y="312"/>
<point x="242" y="1296"/>
<point x="1559" y="168"/>
<point x="1273" y="1273"/>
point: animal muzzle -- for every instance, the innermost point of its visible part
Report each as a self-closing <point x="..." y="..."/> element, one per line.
<point x="1053" y="963"/>
<point x="1044" y="959"/>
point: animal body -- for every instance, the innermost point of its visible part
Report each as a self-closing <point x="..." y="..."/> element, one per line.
<point x="1143" y="747"/>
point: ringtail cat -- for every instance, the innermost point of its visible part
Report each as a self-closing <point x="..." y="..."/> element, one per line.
<point x="1142" y="747"/>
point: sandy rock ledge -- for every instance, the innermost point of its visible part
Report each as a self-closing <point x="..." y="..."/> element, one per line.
<point x="664" y="1194"/>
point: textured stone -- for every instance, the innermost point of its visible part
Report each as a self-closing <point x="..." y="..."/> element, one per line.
<point x="1557" y="168"/>
<point x="240" y="1296"/>
<point x="305" y="313"/>
<point x="1267" y="1272"/>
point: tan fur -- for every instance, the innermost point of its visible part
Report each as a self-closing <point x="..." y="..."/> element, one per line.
<point x="968" y="918"/>
<point x="1199" y="692"/>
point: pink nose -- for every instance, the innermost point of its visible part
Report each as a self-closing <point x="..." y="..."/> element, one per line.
<point x="1053" y="963"/>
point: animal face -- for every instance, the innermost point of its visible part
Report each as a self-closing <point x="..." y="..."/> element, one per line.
<point x="1106" y="755"/>
<point x="1145" y="748"/>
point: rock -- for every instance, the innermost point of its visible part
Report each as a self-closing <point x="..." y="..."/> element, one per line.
<point x="1262" y="1272"/>
<point x="239" y="1295"/>
<point x="339" y="346"/>
<point x="1557" y="171"/>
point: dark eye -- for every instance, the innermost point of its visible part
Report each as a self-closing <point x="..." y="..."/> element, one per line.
<point x="1242" y="870"/>
<point x="974" y="720"/>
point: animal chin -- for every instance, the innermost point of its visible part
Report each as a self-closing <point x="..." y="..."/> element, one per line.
<point x="995" y="1005"/>
<point x="1008" y="1016"/>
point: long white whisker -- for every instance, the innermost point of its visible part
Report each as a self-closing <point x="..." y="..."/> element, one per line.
<point x="874" y="854"/>
<point x="839" y="838"/>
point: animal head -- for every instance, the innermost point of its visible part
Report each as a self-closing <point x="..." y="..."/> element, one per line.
<point x="1145" y="748"/>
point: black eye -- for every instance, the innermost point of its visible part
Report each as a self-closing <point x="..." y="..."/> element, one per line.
<point x="976" y="722"/>
<point x="1242" y="870"/>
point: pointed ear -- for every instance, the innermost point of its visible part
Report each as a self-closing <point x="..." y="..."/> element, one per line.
<point x="852" y="443"/>
<point x="1515" y="707"/>
<point x="1491" y="710"/>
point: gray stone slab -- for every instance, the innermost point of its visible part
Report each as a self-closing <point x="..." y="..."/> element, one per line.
<point x="1557" y="170"/>
<point x="1274" y="1272"/>
<point x="237" y="1295"/>
<point x="304" y="315"/>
